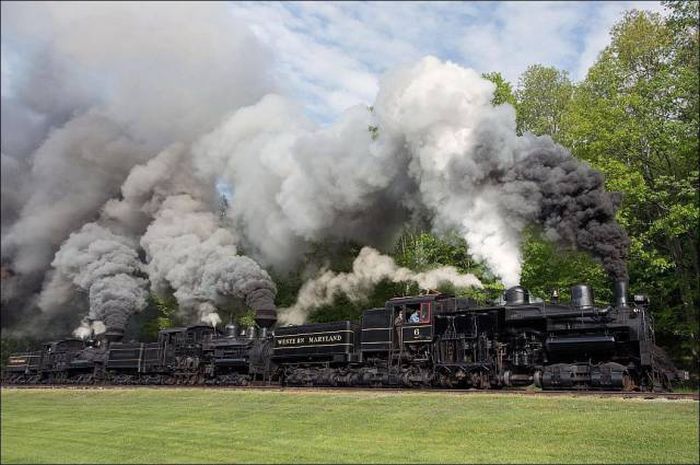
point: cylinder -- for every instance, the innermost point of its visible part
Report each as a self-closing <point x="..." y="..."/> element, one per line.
<point x="517" y="295"/>
<point x="621" y="293"/>
<point x="515" y="379"/>
<point x="582" y="296"/>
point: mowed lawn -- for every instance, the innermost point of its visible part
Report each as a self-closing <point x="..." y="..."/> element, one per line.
<point x="293" y="426"/>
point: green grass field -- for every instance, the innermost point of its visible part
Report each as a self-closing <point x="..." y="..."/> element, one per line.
<point x="201" y="426"/>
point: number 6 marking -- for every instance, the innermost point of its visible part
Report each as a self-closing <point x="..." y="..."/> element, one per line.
<point x="416" y="332"/>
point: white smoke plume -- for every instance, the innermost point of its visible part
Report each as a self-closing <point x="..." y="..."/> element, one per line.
<point x="369" y="268"/>
<point x="106" y="267"/>
<point x="433" y="146"/>
<point x="440" y="142"/>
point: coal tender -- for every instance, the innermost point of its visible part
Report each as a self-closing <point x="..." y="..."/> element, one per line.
<point x="428" y="341"/>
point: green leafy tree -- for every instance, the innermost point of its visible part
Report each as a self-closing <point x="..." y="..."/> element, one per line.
<point x="546" y="267"/>
<point x="635" y="117"/>
<point x="504" y="90"/>
<point x="246" y="319"/>
<point x="160" y="313"/>
<point x="543" y="95"/>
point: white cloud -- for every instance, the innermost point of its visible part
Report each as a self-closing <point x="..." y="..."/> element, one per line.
<point x="326" y="76"/>
<point x="330" y="54"/>
<point x="519" y="34"/>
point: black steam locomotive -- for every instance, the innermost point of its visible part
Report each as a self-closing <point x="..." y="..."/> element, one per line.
<point x="432" y="340"/>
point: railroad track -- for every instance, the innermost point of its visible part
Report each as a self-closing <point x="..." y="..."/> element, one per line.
<point x="298" y="389"/>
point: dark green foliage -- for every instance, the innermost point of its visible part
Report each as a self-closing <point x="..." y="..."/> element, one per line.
<point x="546" y="268"/>
<point x="418" y="251"/>
<point x="422" y="251"/>
<point x="343" y="308"/>
<point x="246" y="319"/>
<point x="335" y="255"/>
<point x="374" y="131"/>
<point x="288" y="285"/>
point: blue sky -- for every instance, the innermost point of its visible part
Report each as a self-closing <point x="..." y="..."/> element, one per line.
<point x="330" y="55"/>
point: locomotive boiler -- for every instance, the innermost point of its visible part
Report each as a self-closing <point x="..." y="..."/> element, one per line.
<point x="433" y="340"/>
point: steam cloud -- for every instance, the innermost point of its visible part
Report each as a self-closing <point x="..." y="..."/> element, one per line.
<point x="120" y="140"/>
<point x="369" y="268"/>
<point x="443" y="152"/>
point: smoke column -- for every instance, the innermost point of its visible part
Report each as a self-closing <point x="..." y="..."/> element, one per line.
<point x="369" y="268"/>
<point x="188" y="252"/>
<point x="90" y="91"/>
<point x="572" y="205"/>
<point x="103" y="265"/>
<point x="440" y="150"/>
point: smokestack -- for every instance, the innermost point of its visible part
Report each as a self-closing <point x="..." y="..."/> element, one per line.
<point x="266" y="317"/>
<point x="621" y="293"/>
<point x="262" y="300"/>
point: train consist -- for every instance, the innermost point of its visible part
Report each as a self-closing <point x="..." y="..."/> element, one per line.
<point x="432" y="340"/>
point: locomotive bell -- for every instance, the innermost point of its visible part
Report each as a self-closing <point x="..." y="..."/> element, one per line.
<point x="517" y="295"/>
<point x="582" y="296"/>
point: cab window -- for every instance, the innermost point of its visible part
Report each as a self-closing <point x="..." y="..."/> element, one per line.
<point x="424" y="312"/>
